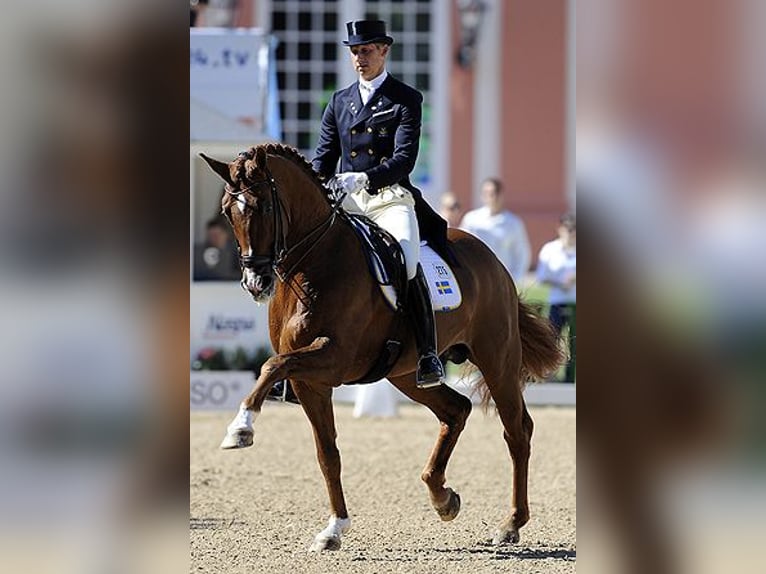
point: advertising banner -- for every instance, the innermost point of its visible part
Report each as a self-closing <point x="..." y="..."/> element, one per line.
<point x="224" y="320"/>
<point x="219" y="390"/>
<point x="232" y="85"/>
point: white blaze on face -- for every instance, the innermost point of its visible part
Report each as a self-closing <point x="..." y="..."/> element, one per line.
<point x="241" y="203"/>
<point x="249" y="275"/>
<point x="249" y="278"/>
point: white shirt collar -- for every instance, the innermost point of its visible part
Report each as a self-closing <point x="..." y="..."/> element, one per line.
<point x="375" y="83"/>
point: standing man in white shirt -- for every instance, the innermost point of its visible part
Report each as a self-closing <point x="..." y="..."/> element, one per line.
<point x="502" y="231"/>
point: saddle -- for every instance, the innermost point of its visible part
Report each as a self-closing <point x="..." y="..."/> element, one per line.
<point x="384" y="256"/>
<point x="385" y="261"/>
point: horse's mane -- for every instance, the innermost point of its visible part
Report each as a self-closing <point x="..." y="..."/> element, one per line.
<point x="280" y="150"/>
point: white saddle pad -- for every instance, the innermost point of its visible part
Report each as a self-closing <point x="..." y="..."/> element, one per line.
<point x="442" y="284"/>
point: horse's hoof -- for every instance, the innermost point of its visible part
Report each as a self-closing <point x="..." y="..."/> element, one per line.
<point x="240" y="439"/>
<point x="452" y="508"/>
<point x="506" y="537"/>
<point x="329" y="543"/>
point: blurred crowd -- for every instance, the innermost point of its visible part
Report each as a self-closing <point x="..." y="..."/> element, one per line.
<point x="505" y="234"/>
<point x="671" y="168"/>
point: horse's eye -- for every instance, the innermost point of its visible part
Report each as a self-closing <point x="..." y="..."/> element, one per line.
<point x="267" y="207"/>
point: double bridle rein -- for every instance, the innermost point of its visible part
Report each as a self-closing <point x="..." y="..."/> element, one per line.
<point x="280" y="252"/>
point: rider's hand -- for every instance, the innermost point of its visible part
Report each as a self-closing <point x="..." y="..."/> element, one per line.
<point x="350" y="182"/>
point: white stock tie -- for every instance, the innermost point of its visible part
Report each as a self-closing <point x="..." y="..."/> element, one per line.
<point x="365" y="91"/>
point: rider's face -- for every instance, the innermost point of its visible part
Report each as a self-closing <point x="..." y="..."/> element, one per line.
<point x="369" y="59"/>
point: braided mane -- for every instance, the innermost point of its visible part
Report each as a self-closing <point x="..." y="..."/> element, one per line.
<point x="280" y="150"/>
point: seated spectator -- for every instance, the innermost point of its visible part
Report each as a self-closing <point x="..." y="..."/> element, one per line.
<point x="216" y="259"/>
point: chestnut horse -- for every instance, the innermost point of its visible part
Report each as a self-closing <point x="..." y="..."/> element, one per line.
<point x="328" y="322"/>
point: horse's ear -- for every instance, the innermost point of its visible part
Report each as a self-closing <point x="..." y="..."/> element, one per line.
<point x="260" y="158"/>
<point x="221" y="168"/>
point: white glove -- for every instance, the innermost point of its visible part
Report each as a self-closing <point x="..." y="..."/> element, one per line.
<point x="350" y="182"/>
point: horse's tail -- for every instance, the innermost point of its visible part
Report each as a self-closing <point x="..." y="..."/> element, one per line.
<point x="540" y="351"/>
<point x="541" y="354"/>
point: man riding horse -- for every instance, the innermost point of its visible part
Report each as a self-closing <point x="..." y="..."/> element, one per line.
<point x="327" y="320"/>
<point x="373" y="128"/>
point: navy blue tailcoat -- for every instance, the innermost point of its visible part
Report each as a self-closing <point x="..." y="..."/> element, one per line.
<point x="381" y="139"/>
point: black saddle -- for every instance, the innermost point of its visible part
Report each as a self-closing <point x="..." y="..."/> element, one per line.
<point x="384" y="255"/>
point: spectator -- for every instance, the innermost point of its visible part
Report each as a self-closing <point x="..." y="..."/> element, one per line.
<point x="500" y="229"/>
<point x="450" y="209"/>
<point x="557" y="267"/>
<point x="197" y="8"/>
<point x="221" y="13"/>
<point x="216" y="258"/>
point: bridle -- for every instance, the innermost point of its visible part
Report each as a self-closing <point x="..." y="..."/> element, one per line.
<point x="280" y="252"/>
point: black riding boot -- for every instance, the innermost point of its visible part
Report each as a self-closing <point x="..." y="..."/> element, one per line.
<point x="430" y="370"/>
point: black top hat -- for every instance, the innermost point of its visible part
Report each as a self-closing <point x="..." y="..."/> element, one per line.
<point x="367" y="32"/>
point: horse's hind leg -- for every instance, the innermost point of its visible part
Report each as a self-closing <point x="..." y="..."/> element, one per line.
<point x="518" y="440"/>
<point x="317" y="404"/>
<point x="452" y="410"/>
<point x="502" y="372"/>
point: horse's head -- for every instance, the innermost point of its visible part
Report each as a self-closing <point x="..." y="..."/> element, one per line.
<point x="251" y="205"/>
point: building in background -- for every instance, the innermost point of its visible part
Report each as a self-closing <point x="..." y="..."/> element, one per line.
<point x="497" y="78"/>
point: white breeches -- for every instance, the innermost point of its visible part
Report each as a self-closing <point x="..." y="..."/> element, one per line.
<point x="393" y="208"/>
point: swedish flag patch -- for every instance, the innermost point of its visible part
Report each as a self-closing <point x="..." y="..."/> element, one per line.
<point x="443" y="287"/>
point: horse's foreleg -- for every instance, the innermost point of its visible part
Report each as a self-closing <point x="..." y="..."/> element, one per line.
<point x="312" y="360"/>
<point x="239" y="433"/>
<point x="452" y="410"/>
<point x="317" y="404"/>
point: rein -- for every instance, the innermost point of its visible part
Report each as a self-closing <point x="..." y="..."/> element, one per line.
<point x="280" y="251"/>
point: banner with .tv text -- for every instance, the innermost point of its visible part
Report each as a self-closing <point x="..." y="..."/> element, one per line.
<point x="232" y="85"/>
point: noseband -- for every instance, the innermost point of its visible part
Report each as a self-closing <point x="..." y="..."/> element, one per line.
<point x="280" y="252"/>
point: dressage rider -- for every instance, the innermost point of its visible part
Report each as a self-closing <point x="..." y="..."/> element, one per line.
<point x="373" y="128"/>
